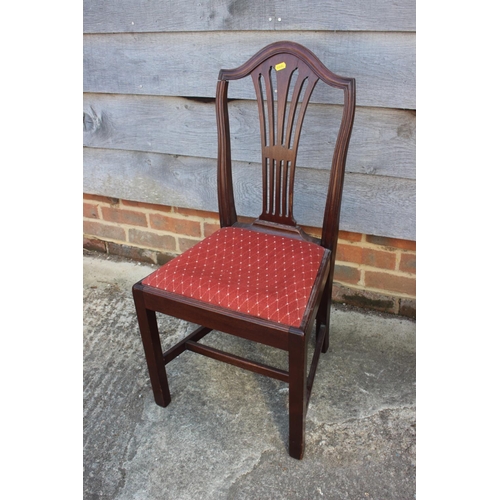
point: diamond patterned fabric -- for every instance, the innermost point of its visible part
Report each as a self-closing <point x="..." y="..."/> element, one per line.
<point x="263" y="275"/>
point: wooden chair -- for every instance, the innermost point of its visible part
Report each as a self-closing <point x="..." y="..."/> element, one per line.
<point x="267" y="281"/>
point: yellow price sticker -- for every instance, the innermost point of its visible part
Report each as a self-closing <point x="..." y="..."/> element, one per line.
<point x="280" y="66"/>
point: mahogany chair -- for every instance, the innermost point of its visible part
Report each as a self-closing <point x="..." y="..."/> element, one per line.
<point x="267" y="281"/>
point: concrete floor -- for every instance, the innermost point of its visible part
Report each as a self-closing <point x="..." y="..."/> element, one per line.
<point x="225" y="433"/>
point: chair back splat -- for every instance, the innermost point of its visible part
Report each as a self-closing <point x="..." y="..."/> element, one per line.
<point x="282" y="108"/>
<point x="267" y="281"/>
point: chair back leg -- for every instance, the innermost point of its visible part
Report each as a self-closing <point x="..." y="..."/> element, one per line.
<point x="323" y="314"/>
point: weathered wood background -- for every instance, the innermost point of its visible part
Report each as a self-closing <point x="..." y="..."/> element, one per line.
<point x="149" y="79"/>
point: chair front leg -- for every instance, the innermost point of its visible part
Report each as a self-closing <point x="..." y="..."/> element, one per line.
<point x="148" y="327"/>
<point x="297" y="357"/>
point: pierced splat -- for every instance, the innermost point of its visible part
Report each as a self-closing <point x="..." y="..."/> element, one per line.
<point x="284" y="75"/>
<point x="283" y="85"/>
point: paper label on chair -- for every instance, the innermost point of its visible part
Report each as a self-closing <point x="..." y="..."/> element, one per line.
<point x="280" y="66"/>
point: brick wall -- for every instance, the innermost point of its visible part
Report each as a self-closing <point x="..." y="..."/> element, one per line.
<point x="371" y="271"/>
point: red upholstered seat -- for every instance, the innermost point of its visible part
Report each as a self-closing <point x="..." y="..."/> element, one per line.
<point x="263" y="275"/>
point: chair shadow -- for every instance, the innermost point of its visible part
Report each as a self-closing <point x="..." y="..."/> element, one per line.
<point x="273" y="392"/>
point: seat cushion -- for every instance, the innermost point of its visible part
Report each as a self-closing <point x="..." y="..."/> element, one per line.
<point x="263" y="275"/>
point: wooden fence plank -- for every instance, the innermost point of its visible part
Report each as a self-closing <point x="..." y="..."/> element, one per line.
<point x="115" y="16"/>
<point x="382" y="142"/>
<point x="187" y="64"/>
<point x="376" y="205"/>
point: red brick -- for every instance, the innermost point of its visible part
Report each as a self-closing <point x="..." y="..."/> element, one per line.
<point x="392" y="242"/>
<point x="349" y="253"/>
<point x="246" y="220"/>
<point x="94" y="228"/>
<point x="147" y="206"/>
<point x="390" y="282"/>
<point x="90" y="211"/>
<point x="122" y="216"/>
<point x="94" y="244"/>
<point x="175" y="225"/>
<point x="408" y="263"/>
<point x="312" y="231"/>
<point x="191" y="212"/>
<point x="343" y="235"/>
<point x="364" y="299"/>
<point x="380" y="259"/>
<point x="209" y="228"/>
<point x="152" y="240"/>
<point x="348" y="236"/>
<point x="346" y="274"/>
<point x="408" y="307"/>
<point x="141" y="254"/>
<point x="101" y="199"/>
<point x="186" y="244"/>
